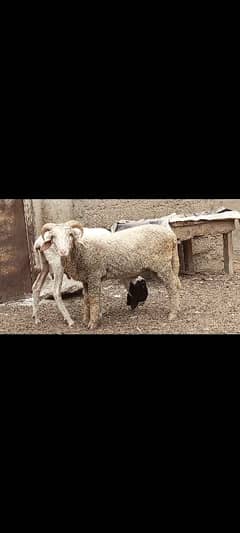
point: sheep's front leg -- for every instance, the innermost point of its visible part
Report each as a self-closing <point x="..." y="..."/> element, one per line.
<point x="58" y="296"/>
<point x="86" y="317"/>
<point x="94" y="294"/>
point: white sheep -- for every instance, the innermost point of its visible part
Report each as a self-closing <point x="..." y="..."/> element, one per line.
<point x="123" y="255"/>
<point x="48" y="262"/>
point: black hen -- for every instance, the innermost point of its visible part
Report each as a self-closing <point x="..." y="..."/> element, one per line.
<point x="137" y="292"/>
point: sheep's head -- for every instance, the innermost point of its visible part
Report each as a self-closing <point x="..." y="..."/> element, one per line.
<point x="61" y="236"/>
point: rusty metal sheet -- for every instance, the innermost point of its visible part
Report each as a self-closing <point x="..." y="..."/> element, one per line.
<point x="15" y="279"/>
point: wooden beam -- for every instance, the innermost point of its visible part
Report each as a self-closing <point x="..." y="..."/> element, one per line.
<point x="188" y="257"/>
<point x="228" y="252"/>
<point x="181" y="257"/>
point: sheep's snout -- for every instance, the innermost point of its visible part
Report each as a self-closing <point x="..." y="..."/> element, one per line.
<point x="63" y="252"/>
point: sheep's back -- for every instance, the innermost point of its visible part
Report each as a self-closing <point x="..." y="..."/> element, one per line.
<point x="151" y="236"/>
<point x="130" y="251"/>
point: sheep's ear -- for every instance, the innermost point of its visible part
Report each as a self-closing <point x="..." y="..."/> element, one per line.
<point x="45" y="246"/>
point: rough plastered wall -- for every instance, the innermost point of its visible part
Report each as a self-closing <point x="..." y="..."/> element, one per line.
<point x="208" y="252"/>
<point x="106" y="212"/>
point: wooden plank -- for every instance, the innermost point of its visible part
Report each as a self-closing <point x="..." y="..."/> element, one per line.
<point x="188" y="256"/>
<point x="228" y="252"/>
<point x="184" y="233"/>
<point x="29" y="222"/>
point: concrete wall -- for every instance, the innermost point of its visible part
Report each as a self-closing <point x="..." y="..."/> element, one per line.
<point x="51" y="211"/>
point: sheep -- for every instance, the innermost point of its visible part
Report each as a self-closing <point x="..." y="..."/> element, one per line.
<point x="48" y="263"/>
<point x="122" y="256"/>
<point x="138" y="291"/>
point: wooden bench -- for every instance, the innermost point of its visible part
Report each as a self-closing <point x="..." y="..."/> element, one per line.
<point x="187" y="230"/>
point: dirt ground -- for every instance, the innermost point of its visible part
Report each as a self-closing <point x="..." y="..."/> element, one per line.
<point x="210" y="302"/>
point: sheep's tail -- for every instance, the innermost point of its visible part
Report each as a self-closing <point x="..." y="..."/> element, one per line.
<point x="175" y="262"/>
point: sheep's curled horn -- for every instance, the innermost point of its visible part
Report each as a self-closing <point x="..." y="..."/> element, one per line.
<point x="75" y="224"/>
<point x="72" y="223"/>
<point x="47" y="227"/>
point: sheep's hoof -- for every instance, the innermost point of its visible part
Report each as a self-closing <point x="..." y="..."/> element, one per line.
<point x="86" y="321"/>
<point x="70" y="322"/>
<point x="93" y="325"/>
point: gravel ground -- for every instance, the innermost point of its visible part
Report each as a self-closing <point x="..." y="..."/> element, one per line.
<point x="210" y="301"/>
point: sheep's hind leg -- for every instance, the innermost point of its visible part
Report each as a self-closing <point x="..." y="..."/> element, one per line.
<point x="172" y="285"/>
<point x="94" y="294"/>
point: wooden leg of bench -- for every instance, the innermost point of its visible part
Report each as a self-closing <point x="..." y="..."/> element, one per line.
<point x="181" y="257"/>
<point x="228" y="252"/>
<point x="188" y="257"/>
